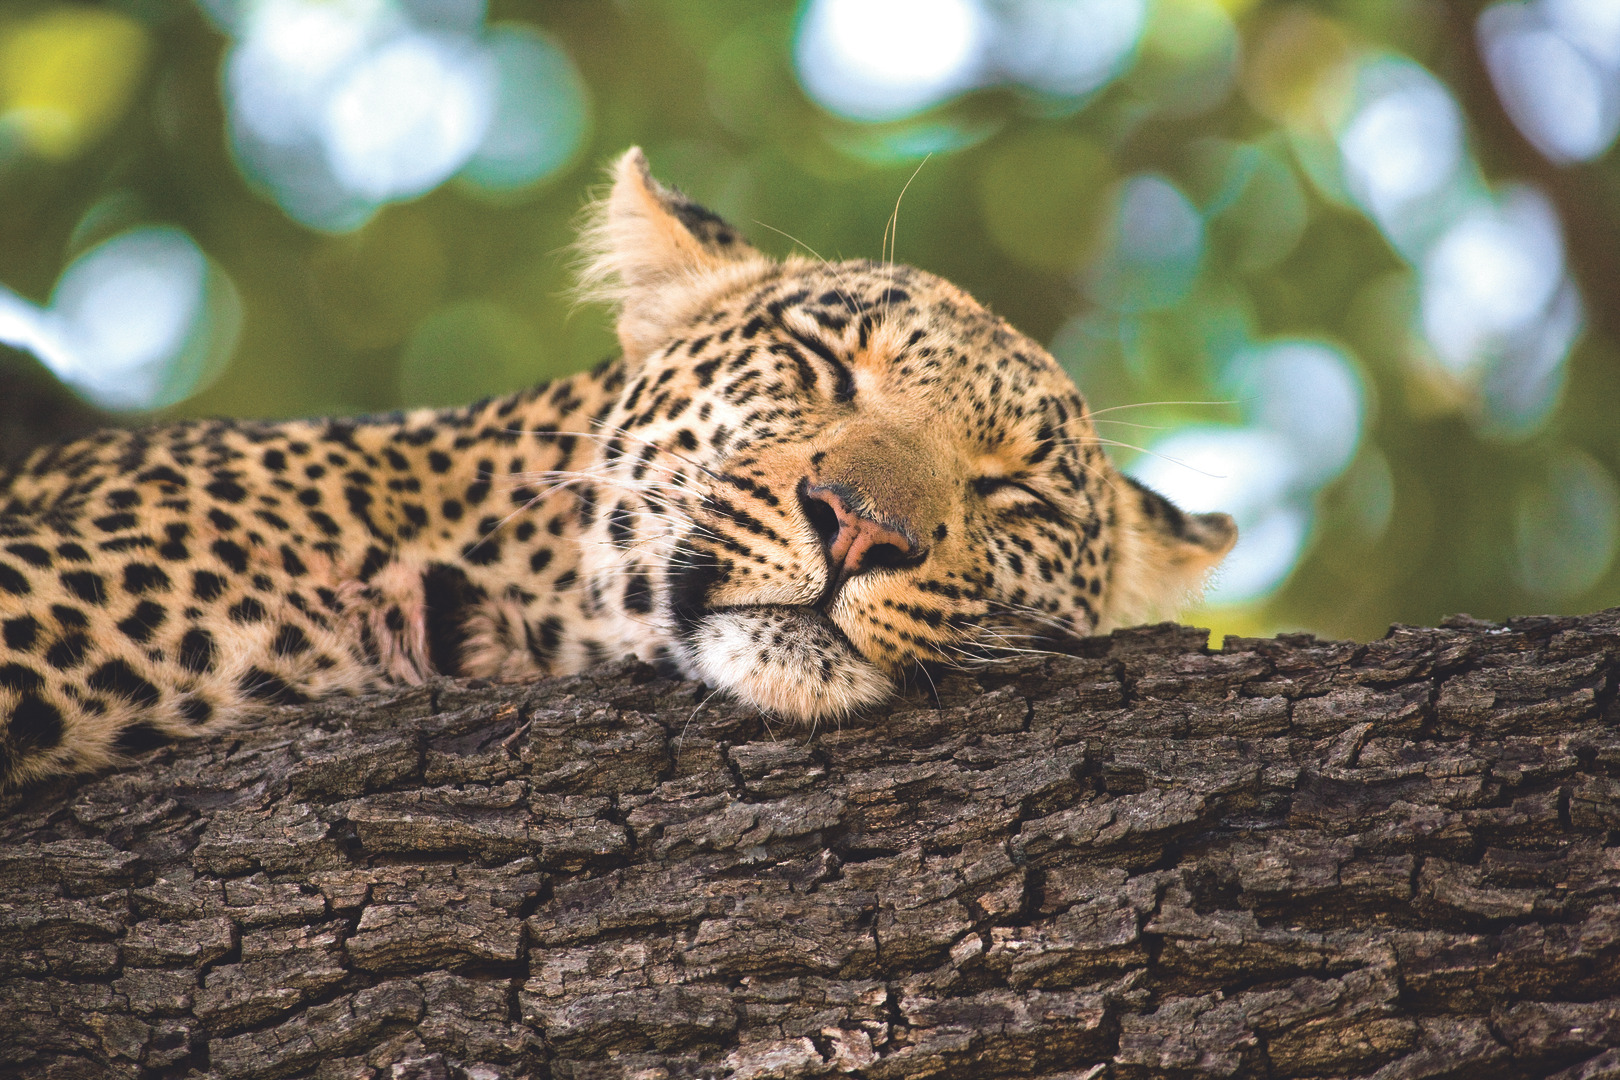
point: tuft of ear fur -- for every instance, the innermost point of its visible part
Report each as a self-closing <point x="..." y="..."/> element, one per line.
<point x="1162" y="556"/>
<point x="657" y="255"/>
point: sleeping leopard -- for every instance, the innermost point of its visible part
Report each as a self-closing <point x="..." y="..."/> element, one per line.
<point x="800" y="482"/>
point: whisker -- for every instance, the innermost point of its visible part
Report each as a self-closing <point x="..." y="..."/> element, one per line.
<point x="891" y="231"/>
<point x="688" y="725"/>
<point x="1153" y="404"/>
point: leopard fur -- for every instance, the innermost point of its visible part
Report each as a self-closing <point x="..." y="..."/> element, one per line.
<point x="799" y="482"/>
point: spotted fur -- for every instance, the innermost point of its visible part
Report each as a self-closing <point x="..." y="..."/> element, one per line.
<point x="799" y="482"/>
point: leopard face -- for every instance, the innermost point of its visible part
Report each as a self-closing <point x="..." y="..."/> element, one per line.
<point x="852" y="469"/>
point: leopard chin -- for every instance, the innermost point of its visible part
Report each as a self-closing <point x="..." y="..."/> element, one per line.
<point x="789" y="661"/>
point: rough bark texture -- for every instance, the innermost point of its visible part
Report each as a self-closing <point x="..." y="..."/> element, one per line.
<point x="1286" y="858"/>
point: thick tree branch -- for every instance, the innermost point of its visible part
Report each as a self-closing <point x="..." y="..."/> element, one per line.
<point x="1287" y="858"/>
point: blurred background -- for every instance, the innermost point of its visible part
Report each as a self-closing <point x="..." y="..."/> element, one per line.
<point x="1347" y="270"/>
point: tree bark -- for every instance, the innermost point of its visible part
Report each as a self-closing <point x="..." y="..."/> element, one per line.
<point x="1289" y="857"/>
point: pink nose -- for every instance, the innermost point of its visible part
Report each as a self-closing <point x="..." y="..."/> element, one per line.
<point x="854" y="542"/>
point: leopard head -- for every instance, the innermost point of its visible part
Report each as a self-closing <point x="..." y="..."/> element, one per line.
<point x="829" y="474"/>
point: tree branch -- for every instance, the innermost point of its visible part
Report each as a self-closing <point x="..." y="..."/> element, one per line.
<point x="1287" y="858"/>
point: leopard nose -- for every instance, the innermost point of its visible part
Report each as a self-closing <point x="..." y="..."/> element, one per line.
<point x="854" y="538"/>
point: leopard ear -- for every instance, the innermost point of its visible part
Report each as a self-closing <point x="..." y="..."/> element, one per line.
<point x="656" y="254"/>
<point x="1163" y="556"/>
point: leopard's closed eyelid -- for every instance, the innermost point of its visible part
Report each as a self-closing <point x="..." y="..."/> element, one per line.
<point x="843" y="375"/>
<point x="989" y="485"/>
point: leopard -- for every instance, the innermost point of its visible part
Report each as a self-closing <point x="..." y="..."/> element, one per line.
<point x="799" y="481"/>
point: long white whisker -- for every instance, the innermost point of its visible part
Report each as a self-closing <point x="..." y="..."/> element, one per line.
<point x="891" y="231"/>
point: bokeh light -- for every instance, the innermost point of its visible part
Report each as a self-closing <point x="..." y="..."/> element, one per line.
<point x="1303" y="407"/>
<point x="1567" y="527"/>
<point x="1066" y="48"/>
<point x="1496" y="305"/>
<point x="883" y="60"/>
<point x="66" y="75"/>
<point x="1402" y="149"/>
<point x="140" y="321"/>
<point x="1556" y="66"/>
<point x="338" y="107"/>
<point x="1156" y="243"/>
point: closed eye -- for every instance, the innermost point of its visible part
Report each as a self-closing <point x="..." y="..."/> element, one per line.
<point x="989" y="485"/>
<point x="843" y="378"/>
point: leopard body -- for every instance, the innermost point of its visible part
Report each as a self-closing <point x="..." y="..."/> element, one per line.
<point x="799" y="482"/>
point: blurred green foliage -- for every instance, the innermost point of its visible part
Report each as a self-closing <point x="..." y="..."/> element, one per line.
<point x="1013" y="195"/>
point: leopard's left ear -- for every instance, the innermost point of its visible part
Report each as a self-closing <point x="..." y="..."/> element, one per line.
<point x="657" y="254"/>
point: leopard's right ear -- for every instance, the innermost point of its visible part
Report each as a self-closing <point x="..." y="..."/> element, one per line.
<point x="656" y="254"/>
<point x="1162" y="556"/>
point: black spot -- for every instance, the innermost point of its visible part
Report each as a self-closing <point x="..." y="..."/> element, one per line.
<point x="376" y="559"/>
<point x="20" y="632"/>
<point x="290" y="561"/>
<point x="694" y="573"/>
<point x="143" y="622"/>
<point x="310" y="497"/>
<point x="207" y="585"/>
<point x="447" y="594"/>
<point x="72" y="552"/>
<point x="290" y="641"/>
<point x="140" y="737"/>
<point x="359" y="500"/>
<point x="12" y="581"/>
<point x="36" y="725"/>
<point x="226" y="490"/>
<point x="261" y="685"/>
<point x="174" y="549"/>
<point x="487" y="550"/>
<point x="940" y="531"/>
<point x="247" y="610"/>
<point x="162" y="474"/>
<point x="114" y="522"/>
<point x="20" y="678"/>
<point x="323" y="521"/>
<point x="125" y="543"/>
<point x="67" y="652"/>
<point x="222" y="521"/>
<point x="197" y="651"/>
<point x="195" y="710"/>
<point x="69" y="618"/>
<point x="274" y="460"/>
<point x="543" y="639"/>
<point x="451" y="509"/>
<point x="540" y="560"/>
<point x="231" y="554"/>
<point x="117" y="677"/>
<point x="144" y="577"/>
<point x="86" y="585"/>
<point x="438" y="461"/>
<point x="619" y="525"/>
<point x="32" y="554"/>
<point x="123" y="499"/>
<point x="638" y="593"/>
